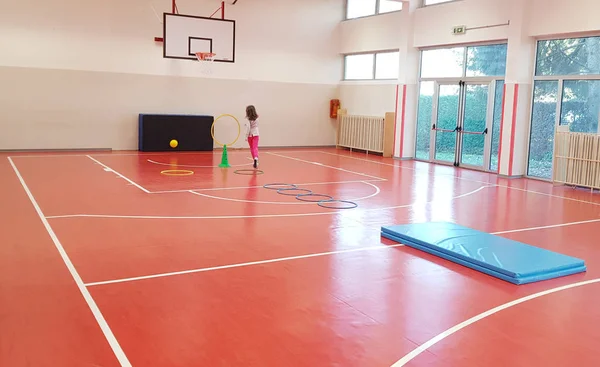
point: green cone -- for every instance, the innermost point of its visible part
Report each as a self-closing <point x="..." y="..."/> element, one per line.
<point x="224" y="158"/>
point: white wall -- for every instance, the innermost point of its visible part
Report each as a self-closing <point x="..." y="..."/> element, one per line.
<point x="374" y="33"/>
<point x="433" y="24"/>
<point x="556" y="17"/>
<point x="368" y="99"/>
<point x="65" y="51"/>
<point x="432" y="28"/>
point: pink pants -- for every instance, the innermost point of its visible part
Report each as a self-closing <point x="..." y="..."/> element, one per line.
<point x="253" y="143"/>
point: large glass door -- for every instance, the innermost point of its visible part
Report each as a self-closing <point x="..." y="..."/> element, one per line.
<point x="462" y="119"/>
<point x="474" y="127"/>
<point x="445" y="126"/>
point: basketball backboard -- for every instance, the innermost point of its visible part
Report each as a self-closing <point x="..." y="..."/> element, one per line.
<point x="184" y="35"/>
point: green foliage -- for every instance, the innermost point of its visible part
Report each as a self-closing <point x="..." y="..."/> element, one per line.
<point x="580" y="104"/>
<point x="573" y="56"/>
<point x="475" y="121"/>
<point x="486" y="60"/>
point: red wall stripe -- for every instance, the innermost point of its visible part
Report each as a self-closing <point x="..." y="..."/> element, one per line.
<point x="512" y="130"/>
<point x="395" y="122"/>
<point x="402" y="121"/>
<point x="501" y="128"/>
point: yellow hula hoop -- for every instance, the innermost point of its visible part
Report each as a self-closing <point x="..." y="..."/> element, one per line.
<point x="212" y="129"/>
<point x="177" y="172"/>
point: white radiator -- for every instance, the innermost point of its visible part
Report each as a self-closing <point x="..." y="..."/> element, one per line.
<point x="361" y="132"/>
<point x="577" y="159"/>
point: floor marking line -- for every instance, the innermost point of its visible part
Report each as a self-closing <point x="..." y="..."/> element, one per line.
<point x="108" y="334"/>
<point x="431" y="342"/>
<point x="550" y="195"/>
<point x="548" y="226"/>
<point x="239" y="265"/>
<point x="118" y="174"/>
<point x="259" y="186"/>
<point x="408" y="168"/>
<point x="324" y="165"/>
<point x="295" y="202"/>
<point x="260" y="215"/>
<point x="461" y="178"/>
<point x="142" y="154"/>
<point x="193" y="166"/>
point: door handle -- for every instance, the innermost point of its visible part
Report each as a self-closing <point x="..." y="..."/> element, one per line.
<point x="446" y="130"/>
<point x="484" y="132"/>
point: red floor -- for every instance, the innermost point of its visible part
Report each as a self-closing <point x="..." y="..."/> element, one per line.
<point x="214" y="270"/>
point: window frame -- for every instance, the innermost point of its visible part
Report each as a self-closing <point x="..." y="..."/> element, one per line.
<point x="375" y="64"/>
<point x="374" y="71"/>
<point x="377" y="11"/>
<point x="559" y="79"/>
<point x="378" y="8"/>
<point x="465" y="45"/>
<point x="424" y="5"/>
<point x="491" y="79"/>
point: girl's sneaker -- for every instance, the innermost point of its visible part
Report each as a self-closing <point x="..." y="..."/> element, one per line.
<point x="255" y="163"/>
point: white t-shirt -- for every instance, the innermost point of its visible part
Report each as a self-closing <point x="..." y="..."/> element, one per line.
<point x="251" y="128"/>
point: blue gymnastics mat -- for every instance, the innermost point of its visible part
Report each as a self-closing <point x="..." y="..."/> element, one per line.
<point x="509" y="260"/>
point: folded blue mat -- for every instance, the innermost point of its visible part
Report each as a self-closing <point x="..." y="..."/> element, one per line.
<point x="500" y="257"/>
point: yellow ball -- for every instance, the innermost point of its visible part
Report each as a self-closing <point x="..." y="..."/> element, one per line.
<point x="174" y="143"/>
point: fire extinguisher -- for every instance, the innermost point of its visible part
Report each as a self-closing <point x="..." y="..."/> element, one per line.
<point x="334" y="106"/>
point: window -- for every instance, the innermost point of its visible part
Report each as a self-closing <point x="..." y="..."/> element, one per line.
<point x="386" y="6"/>
<point x="433" y="2"/>
<point x="424" y="115"/>
<point x="580" y="107"/>
<point x="443" y="63"/>
<point x="450" y="62"/>
<point x="496" y="125"/>
<point x="441" y="70"/>
<point x="365" y="8"/>
<point x="486" y="60"/>
<point x="359" y="67"/>
<point x="541" y="141"/>
<point x="360" y="8"/>
<point x="566" y="92"/>
<point x="387" y="65"/>
<point x="575" y="56"/>
<point x="381" y="65"/>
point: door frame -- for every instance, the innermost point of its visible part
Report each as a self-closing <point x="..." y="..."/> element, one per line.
<point x="489" y="125"/>
<point x="434" y="117"/>
<point x="487" y="148"/>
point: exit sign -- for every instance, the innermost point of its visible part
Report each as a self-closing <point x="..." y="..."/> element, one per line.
<point x="461" y="29"/>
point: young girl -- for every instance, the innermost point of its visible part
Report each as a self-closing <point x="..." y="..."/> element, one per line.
<point x="252" y="132"/>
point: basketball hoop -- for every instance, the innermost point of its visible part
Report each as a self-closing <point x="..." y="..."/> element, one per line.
<point x="206" y="59"/>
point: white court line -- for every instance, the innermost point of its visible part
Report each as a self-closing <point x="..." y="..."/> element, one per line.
<point x="408" y="168"/>
<point x="296" y="202"/>
<point x="260" y="262"/>
<point x="118" y="174"/>
<point x="323" y="165"/>
<point x="142" y="154"/>
<point x="431" y="342"/>
<point x="549" y="226"/>
<point x="259" y="186"/>
<point x="260" y="215"/>
<point x="418" y="171"/>
<point x="239" y="265"/>
<point x="192" y="166"/>
<point x="550" y="195"/>
<point x="108" y="334"/>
